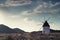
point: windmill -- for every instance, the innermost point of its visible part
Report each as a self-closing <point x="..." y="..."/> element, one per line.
<point x="46" y="27"/>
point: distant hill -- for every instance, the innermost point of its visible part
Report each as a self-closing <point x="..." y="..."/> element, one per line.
<point x="54" y="31"/>
<point x="6" y="29"/>
<point x="17" y="30"/>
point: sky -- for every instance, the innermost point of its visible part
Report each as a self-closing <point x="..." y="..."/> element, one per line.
<point x="30" y="15"/>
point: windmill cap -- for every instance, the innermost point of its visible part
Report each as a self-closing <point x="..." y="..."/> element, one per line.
<point x="46" y="24"/>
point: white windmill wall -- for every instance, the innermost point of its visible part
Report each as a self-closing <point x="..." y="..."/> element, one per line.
<point x="46" y="30"/>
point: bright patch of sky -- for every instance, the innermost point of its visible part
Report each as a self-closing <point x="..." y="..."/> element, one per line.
<point x="28" y="15"/>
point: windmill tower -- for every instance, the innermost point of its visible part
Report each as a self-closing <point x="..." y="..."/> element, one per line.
<point x="46" y="27"/>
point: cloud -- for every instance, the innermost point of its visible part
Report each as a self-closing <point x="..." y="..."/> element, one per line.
<point x="2" y="5"/>
<point x="44" y="7"/>
<point x="27" y="13"/>
<point x="58" y="3"/>
<point x="17" y="2"/>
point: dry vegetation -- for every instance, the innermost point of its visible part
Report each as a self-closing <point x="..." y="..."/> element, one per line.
<point x="30" y="36"/>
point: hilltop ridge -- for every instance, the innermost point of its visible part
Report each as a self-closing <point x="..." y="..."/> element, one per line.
<point x="6" y="29"/>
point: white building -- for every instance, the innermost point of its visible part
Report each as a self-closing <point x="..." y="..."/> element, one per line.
<point x="46" y="27"/>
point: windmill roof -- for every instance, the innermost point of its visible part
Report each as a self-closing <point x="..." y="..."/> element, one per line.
<point x="46" y="24"/>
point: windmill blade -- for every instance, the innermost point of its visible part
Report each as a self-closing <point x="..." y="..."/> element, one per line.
<point x="51" y="22"/>
<point x="44" y="19"/>
<point x="48" y="18"/>
<point x="40" y="28"/>
<point x="39" y="24"/>
<point x="42" y="22"/>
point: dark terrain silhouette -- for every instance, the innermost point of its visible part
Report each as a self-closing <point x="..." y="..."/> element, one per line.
<point x="6" y="29"/>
